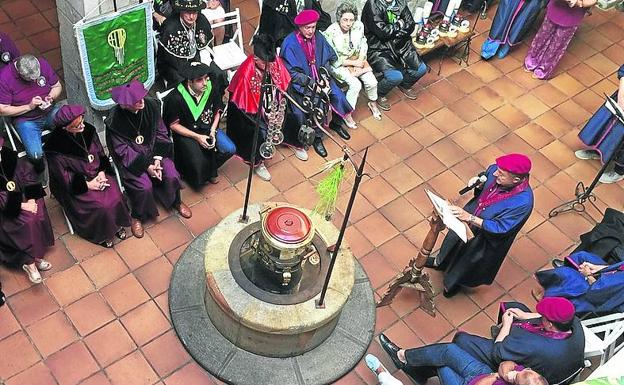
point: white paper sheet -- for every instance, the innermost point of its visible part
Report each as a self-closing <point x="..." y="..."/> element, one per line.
<point x="444" y="210"/>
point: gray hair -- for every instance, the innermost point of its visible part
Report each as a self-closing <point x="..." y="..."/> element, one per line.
<point x="346" y="7"/>
<point x="28" y="67"/>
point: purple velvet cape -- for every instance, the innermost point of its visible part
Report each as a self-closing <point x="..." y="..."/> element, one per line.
<point x="8" y="50"/>
<point x="95" y="215"/>
<point x="24" y="236"/>
<point x="133" y="159"/>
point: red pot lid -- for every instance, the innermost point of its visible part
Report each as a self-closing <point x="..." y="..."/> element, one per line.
<point x="287" y="224"/>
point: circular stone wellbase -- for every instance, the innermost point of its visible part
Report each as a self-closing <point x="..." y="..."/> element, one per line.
<point x="332" y="359"/>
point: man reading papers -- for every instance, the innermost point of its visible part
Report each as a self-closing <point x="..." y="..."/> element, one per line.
<point x="495" y="214"/>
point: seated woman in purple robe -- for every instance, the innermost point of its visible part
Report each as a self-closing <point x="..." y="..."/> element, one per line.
<point x="25" y="229"/>
<point x="587" y="281"/>
<point x="140" y="146"/>
<point x="82" y="179"/>
<point x="8" y="50"/>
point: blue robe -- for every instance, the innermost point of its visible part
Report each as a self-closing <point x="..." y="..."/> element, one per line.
<point x="604" y="132"/>
<point x="301" y="73"/>
<point x="476" y="262"/>
<point x="605" y="295"/>
<point x="511" y="23"/>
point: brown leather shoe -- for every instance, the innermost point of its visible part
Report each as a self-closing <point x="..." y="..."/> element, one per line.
<point x="184" y="210"/>
<point x="137" y="228"/>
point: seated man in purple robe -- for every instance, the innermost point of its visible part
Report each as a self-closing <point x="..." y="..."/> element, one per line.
<point x="8" y="50"/>
<point x="602" y="135"/>
<point x="306" y="53"/>
<point x="25" y="229"/>
<point x="500" y="207"/>
<point x="140" y="145"/>
<point x="82" y="179"/>
<point x="28" y="89"/>
<point x="587" y="281"/>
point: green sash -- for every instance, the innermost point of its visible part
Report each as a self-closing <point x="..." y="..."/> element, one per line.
<point x="196" y="108"/>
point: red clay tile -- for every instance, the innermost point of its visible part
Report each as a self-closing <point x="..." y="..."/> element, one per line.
<point x="402" y="114"/>
<point x="485" y="71"/>
<point x="378" y="192"/>
<point x="145" y="323"/>
<point x="402" y="178"/>
<point x="435" y="329"/>
<point x="19" y="346"/>
<point x="97" y="379"/>
<point x="466" y="169"/>
<point x="424" y="132"/>
<point x="445" y="91"/>
<point x="104" y="268"/>
<point x="360" y="139"/>
<point x="573" y="113"/>
<point x="585" y="74"/>
<point x="67" y="374"/>
<point x="528" y="254"/>
<point x="446" y="184"/>
<point x="401" y="334"/>
<point x="60" y="259"/>
<point x="426" y="103"/>
<point x="191" y="374"/>
<point x="380" y="272"/>
<point x="507" y="88"/>
<point x="376" y="228"/>
<point x="359" y="245"/>
<point x="467" y="109"/>
<point x="8" y="323"/>
<point x="554" y="123"/>
<point x="37" y="374"/>
<point x="380" y="128"/>
<point x="549" y="94"/>
<point x="535" y="135"/>
<point x="446" y="120"/>
<point x="447" y="152"/>
<point x="155" y="276"/>
<point x="124" y="294"/>
<point x="138" y="251"/>
<point x="109" y="343"/>
<point x="425" y="164"/>
<point x="81" y="249"/>
<point x="511" y="117"/>
<point x="169" y="234"/>
<point x="477" y="325"/>
<point x="469" y="140"/>
<point x="89" y="313"/>
<point x="131" y="370"/>
<point x="402" y="144"/>
<point x="524" y="79"/>
<point x="52" y="333"/>
<point x="226" y="201"/>
<point x="485" y="294"/>
<point x="381" y="158"/>
<point x="361" y="208"/>
<point x="456" y="310"/>
<point x="589" y="100"/>
<point x="401" y="214"/>
<point x="33" y="24"/>
<point x="166" y="354"/>
<point x="69" y="285"/>
<point x="567" y="84"/>
<point x="487" y="98"/>
<point x="19" y="9"/>
<point x="530" y="105"/>
<point x="32" y="304"/>
<point x="550" y="238"/>
<point x="398" y="251"/>
<point x="465" y="81"/>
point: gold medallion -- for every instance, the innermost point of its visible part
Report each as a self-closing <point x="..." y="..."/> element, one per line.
<point x="90" y="158"/>
<point x="139" y="139"/>
<point x="10" y="186"/>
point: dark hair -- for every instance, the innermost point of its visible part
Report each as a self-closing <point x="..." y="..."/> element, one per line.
<point x="562" y="326"/>
<point x="346" y="7"/>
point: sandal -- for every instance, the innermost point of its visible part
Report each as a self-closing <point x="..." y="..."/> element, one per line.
<point x="108" y="244"/>
<point x="33" y="276"/>
<point x="43" y="265"/>
<point x="372" y="106"/>
<point x="352" y="124"/>
<point x="121" y="234"/>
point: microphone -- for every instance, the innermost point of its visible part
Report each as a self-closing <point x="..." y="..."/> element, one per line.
<point x="482" y="179"/>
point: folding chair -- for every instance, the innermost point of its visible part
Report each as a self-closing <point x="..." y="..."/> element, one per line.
<point x="228" y="56"/>
<point x="603" y="336"/>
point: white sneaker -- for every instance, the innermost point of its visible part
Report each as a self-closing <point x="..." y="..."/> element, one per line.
<point x="300" y="153"/>
<point x="43" y="265"/>
<point x="262" y="172"/>
<point x="611" y="177"/>
<point x="587" y="154"/>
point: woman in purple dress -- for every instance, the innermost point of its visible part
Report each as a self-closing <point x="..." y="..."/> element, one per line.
<point x="25" y="229"/>
<point x="551" y="41"/>
<point x="82" y="179"/>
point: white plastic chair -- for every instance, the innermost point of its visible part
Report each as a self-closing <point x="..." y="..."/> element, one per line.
<point x="602" y="336"/>
<point x="230" y="55"/>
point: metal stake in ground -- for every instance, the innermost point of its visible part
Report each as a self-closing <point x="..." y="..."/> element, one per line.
<point x="254" y="144"/>
<point x="320" y="303"/>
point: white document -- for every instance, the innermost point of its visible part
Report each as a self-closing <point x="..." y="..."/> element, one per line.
<point x="444" y="211"/>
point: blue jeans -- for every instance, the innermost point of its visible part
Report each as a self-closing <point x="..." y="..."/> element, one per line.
<point x="225" y="147"/>
<point x="454" y="365"/>
<point x="404" y="77"/>
<point x="29" y="132"/>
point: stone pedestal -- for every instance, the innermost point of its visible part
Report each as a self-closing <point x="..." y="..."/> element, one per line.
<point x="69" y="13"/>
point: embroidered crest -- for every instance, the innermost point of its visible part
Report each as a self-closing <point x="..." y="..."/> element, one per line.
<point x="202" y="37"/>
<point x="5" y="57"/>
<point x="117" y="40"/>
<point x="206" y="116"/>
<point x="10" y="186"/>
<point x="41" y="81"/>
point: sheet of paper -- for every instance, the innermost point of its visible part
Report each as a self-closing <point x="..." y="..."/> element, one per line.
<point x="444" y="210"/>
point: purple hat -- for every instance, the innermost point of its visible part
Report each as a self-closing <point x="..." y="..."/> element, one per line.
<point x="514" y="163"/>
<point x="556" y="309"/>
<point x="307" y="16"/>
<point x="129" y="93"/>
<point x="66" y="114"/>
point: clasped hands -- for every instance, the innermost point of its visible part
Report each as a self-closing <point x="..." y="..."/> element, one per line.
<point x="207" y="141"/>
<point x="39" y="102"/>
<point x="100" y="182"/>
<point x="155" y="170"/>
<point x="30" y="206"/>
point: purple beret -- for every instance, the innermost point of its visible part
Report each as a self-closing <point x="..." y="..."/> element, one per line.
<point x="514" y="163"/>
<point x="129" y="94"/>
<point x="67" y="114"/>
<point x="307" y="16"/>
<point x="556" y="309"/>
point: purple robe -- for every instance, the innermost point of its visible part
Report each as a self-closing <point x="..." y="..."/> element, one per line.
<point x="604" y="132"/>
<point x="95" y="215"/>
<point x="8" y="50"/>
<point x="133" y="159"/>
<point x="24" y="236"/>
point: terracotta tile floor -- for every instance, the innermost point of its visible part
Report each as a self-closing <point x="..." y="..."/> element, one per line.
<point x="101" y="315"/>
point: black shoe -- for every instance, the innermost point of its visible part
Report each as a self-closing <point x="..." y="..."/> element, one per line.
<point x="557" y="263"/>
<point x="341" y="132"/>
<point x="392" y="350"/>
<point x="415" y="374"/>
<point x="431" y="262"/>
<point x="451" y="292"/>
<point x="319" y="147"/>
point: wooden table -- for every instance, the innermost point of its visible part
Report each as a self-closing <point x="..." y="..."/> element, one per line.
<point x="444" y="41"/>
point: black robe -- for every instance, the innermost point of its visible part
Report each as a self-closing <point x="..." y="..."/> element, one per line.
<point x="196" y="164"/>
<point x="278" y="18"/>
<point x="606" y="239"/>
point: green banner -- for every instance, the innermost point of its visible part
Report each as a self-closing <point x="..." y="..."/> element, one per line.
<point x="115" y="49"/>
